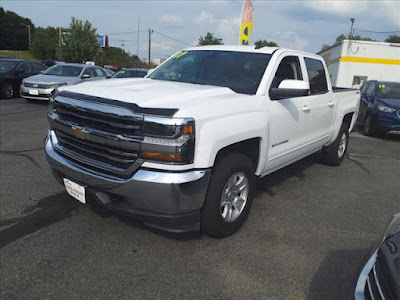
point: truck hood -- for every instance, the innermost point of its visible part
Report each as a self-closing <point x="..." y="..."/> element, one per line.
<point x="152" y="93"/>
<point x="52" y="79"/>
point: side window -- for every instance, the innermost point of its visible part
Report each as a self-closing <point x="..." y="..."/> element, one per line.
<point x="24" y="66"/>
<point x="316" y="75"/>
<point x="99" y="72"/>
<point x="89" y="71"/>
<point x="289" y="68"/>
<point x="371" y="91"/>
<point x="38" y="67"/>
<point x="364" y="87"/>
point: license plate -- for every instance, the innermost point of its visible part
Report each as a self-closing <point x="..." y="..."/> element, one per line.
<point x="75" y="190"/>
<point x="34" y="92"/>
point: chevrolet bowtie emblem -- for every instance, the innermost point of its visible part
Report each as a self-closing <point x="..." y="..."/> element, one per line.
<point x="80" y="132"/>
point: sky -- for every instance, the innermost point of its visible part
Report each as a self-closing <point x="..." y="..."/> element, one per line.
<point x="297" y="24"/>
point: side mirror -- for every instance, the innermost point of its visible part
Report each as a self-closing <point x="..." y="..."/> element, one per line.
<point x="365" y="96"/>
<point x="290" y="88"/>
<point x="108" y="76"/>
<point x="85" y="76"/>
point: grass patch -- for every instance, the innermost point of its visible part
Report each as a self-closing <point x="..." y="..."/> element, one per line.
<point x="18" y="54"/>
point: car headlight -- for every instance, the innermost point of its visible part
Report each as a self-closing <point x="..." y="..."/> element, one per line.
<point x="168" y="140"/>
<point x="53" y="86"/>
<point x="386" y="109"/>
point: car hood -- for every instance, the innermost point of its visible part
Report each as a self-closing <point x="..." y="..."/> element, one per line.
<point x="52" y="79"/>
<point x="393" y="103"/>
<point x="151" y="93"/>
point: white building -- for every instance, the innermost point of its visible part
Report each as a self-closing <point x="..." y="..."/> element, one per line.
<point x="351" y="63"/>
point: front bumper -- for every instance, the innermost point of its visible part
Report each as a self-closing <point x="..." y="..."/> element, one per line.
<point x="388" y="121"/>
<point x="42" y="94"/>
<point x="168" y="200"/>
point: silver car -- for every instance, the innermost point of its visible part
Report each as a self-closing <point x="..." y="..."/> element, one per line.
<point x="39" y="87"/>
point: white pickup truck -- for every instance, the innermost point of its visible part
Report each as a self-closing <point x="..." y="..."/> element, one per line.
<point x="181" y="149"/>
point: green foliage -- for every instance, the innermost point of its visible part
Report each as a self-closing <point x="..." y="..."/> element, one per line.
<point x="25" y="54"/>
<point x="324" y="47"/>
<point x="45" y="42"/>
<point x="209" y="39"/>
<point x="80" y="43"/>
<point x="117" y="57"/>
<point x="393" y="39"/>
<point x="265" y="43"/>
<point x="13" y="35"/>
<point x="340" y="38"/>
<point x="361" y="38"/>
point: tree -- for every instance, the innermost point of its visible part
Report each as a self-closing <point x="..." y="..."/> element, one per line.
<point x="13" y="35"/>
<point x="45" y="42"/>
<point x="265" y="43"/>
<point x="393" y="39"/>
<point x="361" y="38"/>
<point x="324" y="47"/>
<point x="340" y="38"/>
<point x="209" y="39"/>
<point x="117" y="57"/>
<point x="80" y="43"/>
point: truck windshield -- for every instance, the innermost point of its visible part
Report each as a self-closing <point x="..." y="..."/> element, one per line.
<point x="239" y="71"/>
<point x="389" y="90"/>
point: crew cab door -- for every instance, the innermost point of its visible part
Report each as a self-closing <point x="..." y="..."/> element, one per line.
<point x="321" y="103"/>
<point x="288" y="118"/>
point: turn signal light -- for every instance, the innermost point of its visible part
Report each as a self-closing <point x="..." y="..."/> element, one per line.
<point x="163" y="156"/>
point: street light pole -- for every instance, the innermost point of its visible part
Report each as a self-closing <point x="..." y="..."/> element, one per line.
<point x="29" y="33"/>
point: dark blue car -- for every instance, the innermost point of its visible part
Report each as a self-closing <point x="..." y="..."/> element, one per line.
<point x="380" y="107"/>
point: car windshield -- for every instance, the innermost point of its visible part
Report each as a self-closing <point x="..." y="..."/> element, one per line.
<point x="7" y="65"/>
<point x="64" y="70"/>
<point x="129" y="73"/>
<point x="239" y="71"/>
<point x="389" y="90"/>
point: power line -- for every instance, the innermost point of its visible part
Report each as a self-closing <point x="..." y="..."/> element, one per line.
<point x="168" y="37"/>
<point x="127" y="32"/>
<point x="382" y="32"/>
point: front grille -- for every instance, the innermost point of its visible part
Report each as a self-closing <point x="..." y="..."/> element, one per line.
<point x="108" y="138"/>
<point x="37" y="85"/>
<point x="376" y="286"/>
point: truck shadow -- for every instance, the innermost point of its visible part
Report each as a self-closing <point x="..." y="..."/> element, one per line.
<point x="337" y="274"/>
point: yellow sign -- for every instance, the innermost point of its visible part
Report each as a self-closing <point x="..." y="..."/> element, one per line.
<point x="247" y="23"/>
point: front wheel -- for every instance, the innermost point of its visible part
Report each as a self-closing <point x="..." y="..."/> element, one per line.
<point x="7" y="90"/>
<point x="369" y="129"/>
<point x="334" y="153"/>
<point x="229" y="197"/>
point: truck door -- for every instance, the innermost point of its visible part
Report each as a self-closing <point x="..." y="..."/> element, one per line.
<point x="322" y="103"/>
<point x="288" y="117"/>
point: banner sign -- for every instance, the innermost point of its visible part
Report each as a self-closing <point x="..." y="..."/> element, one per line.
<point x="102" y="40"/>
<point x="247" y="23"/>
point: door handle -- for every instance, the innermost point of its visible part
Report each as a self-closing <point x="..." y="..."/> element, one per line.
<point x="331" y="104"/>
<point x="306" y="108"/>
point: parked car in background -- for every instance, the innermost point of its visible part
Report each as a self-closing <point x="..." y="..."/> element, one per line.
<point x="380" y="276"/>
<point x="130" y="73"/>
<point x="109" y="72"/>
<point x="40" y="87"/>
<point x="13" y="71"/>
<point x="380" y="107"/>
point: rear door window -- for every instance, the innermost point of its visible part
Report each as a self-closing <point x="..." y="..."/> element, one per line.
<point x="316" y="75"/>
<point x="24" y="66"/>
<point x="37" y="67"/>
<point x="99" y="72"/>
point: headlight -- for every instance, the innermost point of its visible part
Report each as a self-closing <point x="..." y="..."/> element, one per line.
<point x="386" y="109"/>
<point x="168" y="140"/>
<point x="53" y="86"/>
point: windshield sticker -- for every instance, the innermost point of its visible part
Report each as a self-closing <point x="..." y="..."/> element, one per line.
<point x="122" y="71"/>
<point x="180" y="54"/>
<point x="382" y="86"/>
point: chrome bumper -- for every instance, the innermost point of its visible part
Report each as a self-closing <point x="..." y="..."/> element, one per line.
<point x="170" y="200"/>
<point x="44" y="94"/>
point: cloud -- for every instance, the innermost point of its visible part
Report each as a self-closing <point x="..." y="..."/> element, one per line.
<point x="229" y="30"/>
<point x="290" y="40"/>
<point x="205" y="18"/>
<point x="171" y="21"/>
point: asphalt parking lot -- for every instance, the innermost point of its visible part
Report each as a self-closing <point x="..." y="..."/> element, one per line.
<point x="308" y="233"/>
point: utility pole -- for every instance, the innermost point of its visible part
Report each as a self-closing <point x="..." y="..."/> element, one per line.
<point x="150" y="32"/>
<point x="351" y="29"/>
<point x="137" y="42"/>
<point x="29" y="34"/>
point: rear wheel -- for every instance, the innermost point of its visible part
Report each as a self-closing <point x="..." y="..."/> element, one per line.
<point x="334" y="154"/>
<point x="7" y="90"/>
<point x="229" y="197"/>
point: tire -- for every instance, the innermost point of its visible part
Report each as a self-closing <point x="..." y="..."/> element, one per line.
<point x="369" y="128"/>
<point x="220" y="219"/>
<point x="334" y="154"/>
<point x="7" y="90"/>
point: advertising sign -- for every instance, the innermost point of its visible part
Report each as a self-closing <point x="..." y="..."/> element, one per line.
<point x="247" y="23"/>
